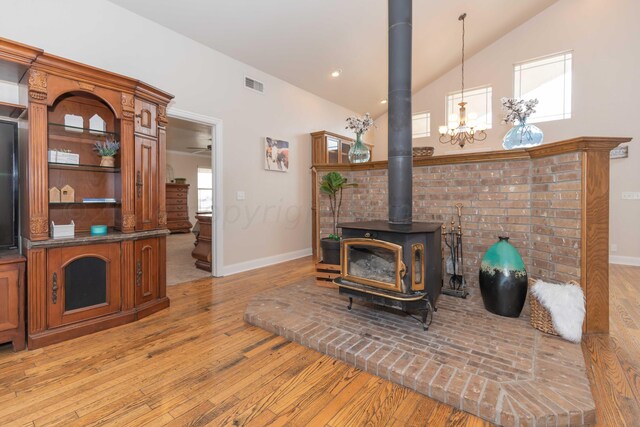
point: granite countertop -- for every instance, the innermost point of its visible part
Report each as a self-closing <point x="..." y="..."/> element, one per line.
<point x="87" y="239"/>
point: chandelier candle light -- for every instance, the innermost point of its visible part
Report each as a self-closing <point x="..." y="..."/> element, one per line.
<point x="359" y="153"/>
<point x="460" y="131"/>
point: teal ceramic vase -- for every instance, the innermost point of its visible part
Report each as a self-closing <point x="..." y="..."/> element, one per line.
<point x="359" y="153"/>
<point x="503" y="279"/>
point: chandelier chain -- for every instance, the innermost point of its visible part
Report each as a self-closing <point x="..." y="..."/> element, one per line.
<point x="461" y="18"/>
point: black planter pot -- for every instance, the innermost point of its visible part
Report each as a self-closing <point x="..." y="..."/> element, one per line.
<point x="503" y="279"/>
<point x="330" y="251"/>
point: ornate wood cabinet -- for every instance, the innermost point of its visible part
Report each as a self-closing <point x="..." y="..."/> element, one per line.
<point x="328" y="147"/>
<point x="178" y="208"/>
<point x="87" y="283"/>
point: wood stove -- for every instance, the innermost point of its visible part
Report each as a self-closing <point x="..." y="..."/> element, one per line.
<point x="397" y="263"/>
<point x="397" y="266"/>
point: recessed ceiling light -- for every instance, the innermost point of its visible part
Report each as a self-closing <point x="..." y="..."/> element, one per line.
<point x="336" y="73"/>
<point x="384" y="101"/>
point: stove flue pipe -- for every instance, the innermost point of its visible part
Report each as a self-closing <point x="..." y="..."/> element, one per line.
<point x="399" y="136"/>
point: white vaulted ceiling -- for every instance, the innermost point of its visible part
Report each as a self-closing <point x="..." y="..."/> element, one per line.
<point x="303" y="41"/>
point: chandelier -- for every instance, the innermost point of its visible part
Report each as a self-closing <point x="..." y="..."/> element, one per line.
<point x="461" y="131"/>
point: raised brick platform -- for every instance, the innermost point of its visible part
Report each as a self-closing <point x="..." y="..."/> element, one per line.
<point x="497" y="368"/>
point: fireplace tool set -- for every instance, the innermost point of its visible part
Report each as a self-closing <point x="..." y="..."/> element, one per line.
<point x="454" y="264"/>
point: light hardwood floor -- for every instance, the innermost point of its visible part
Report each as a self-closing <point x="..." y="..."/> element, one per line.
<point x="198" y="363"/>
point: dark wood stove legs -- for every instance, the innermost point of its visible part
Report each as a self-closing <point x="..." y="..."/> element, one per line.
<point x="421" y="305"/>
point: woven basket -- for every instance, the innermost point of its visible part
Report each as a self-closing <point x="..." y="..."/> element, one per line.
<point x="422" y="151"/>
<point x="540" y="316"/>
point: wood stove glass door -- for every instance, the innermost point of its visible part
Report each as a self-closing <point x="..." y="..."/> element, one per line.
<point x="373" y="262"/>
<point x="83" y="283"/>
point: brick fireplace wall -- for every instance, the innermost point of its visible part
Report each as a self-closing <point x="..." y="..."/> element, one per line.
<point x="536" y="202"/>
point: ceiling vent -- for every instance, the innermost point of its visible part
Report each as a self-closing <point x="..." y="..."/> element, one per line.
<point x="253" y="84"/>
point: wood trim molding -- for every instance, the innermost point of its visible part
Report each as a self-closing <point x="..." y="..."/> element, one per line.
<point x="17" y="52"/>
<point x="579" y="144"/>
<point x="595" y="240"/>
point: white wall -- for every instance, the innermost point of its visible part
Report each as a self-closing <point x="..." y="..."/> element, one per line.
<point x="275" y="217"/>
<point x="605" y="39"/>
<point x="185" y="165"/>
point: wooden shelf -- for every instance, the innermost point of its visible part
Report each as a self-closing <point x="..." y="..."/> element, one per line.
<point x="14" y="111"/>
<point x="84" y="168"/>
<point x="55" y="204"/>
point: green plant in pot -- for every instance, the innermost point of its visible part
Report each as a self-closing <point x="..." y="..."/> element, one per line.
<point x="107" y="150"/>
<point x="332" y="185"/>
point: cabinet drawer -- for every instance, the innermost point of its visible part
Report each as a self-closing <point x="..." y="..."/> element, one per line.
<point x="178" y="225"/>
<point x="145" y="122"/>
<point x="176" y="191"/>
<point x="177" y="208"/>
<point x="177" y="201"/>
<point x="177" y="215"/>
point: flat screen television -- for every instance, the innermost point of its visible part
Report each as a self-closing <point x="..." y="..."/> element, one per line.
<point x="8" y="185"/>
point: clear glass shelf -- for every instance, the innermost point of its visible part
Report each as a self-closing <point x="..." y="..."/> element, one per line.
<point x="83" y="203"/>
<point x="74" y="131"/>
<point x="81" y="167"/>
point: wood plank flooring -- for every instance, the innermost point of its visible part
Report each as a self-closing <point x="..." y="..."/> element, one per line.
<point x="198" y="364"/>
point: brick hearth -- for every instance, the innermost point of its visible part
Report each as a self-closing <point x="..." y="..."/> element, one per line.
<point x="497" y="368"/>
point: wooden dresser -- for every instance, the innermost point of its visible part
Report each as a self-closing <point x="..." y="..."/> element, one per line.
<point x="202" y="251"/>
<point x="178" y="208"/>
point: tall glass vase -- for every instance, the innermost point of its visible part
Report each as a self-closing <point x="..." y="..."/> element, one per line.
<point x="522" y="135"/>
<point x="359" y="153"/>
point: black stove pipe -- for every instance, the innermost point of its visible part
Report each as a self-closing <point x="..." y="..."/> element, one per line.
<point x="399" y="136"/>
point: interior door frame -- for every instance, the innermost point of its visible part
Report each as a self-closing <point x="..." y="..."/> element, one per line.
<point x="217" y="238"/>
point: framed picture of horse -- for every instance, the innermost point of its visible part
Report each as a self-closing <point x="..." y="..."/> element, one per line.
<point x="276" y="155"/>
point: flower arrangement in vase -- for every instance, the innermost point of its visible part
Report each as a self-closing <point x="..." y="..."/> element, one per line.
<point x="107" y="150"/>
<point x="359" y="153"/>
<point x="522" y="134"/>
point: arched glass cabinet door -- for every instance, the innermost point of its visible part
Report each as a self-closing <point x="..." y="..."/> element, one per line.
<point x="83" y="283"/>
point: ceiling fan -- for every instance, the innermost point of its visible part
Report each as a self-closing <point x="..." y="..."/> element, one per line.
<point x="200" y="149"/>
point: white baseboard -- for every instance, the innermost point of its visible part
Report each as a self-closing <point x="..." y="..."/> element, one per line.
<point x="263" y="262"/>
<point x="626" y="260"/>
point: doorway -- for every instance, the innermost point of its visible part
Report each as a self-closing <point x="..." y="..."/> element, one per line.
<point x="194" y="157"/>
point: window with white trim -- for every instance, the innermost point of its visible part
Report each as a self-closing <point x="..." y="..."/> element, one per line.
<point x="478" y="107"/>
<point x="205" y="190"/>
<point x="421" y="125"/>
<point x="549" y="80"/>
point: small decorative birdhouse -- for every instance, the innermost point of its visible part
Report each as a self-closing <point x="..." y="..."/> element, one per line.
<point x="67" y="194"/>
<point x="54" y="195"/>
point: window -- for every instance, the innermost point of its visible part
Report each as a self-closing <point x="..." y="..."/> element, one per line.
<point x="421" y="125"/>
<point x="478" y="107"/>
<point x="549" y="80"/>
<point x="205" y="190"/>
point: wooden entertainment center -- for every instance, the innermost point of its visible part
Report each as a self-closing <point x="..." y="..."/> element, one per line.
<point x="86" y="283"/>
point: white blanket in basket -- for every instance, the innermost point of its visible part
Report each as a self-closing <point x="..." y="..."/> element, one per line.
<point x="566" y="306"/>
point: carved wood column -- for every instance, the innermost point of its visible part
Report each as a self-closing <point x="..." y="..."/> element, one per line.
<point x="37" y="185"/>
<point x="37" y="290"/>
<point x="127" y="167"/>
<point x="162" y="165"/>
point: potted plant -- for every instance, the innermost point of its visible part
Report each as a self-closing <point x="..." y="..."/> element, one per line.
<point x="106" y="150"/>
<point x="332" y="185"/>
